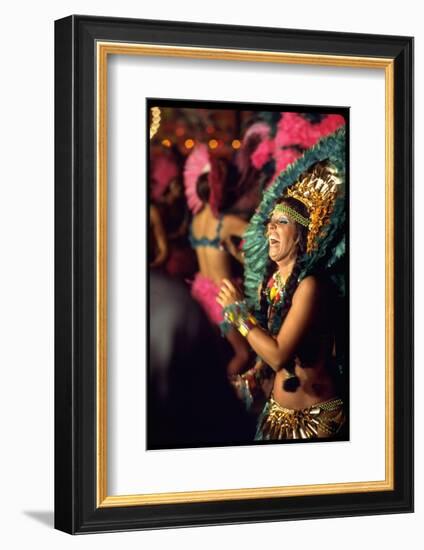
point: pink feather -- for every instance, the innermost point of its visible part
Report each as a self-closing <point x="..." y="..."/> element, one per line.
<point x="194" y="167"/>
<point x="258" y="128"/>
<point x="262" y="153"/>
<point x="163" y="171"/>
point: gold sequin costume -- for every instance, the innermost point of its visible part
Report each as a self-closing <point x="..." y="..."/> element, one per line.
<point x="322" y="420"/>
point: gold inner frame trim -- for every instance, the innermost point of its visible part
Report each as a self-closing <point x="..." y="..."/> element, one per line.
<point x="103" y="49"/>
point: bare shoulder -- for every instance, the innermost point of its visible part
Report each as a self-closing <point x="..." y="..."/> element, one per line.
<point x="232" y="219"/>
<point x="309" y="288"/>
<point x="234" y="225"/>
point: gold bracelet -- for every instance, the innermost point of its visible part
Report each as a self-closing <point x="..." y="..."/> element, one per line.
<point x="245" y="325"/>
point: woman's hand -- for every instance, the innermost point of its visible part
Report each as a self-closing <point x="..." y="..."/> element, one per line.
<point x="229" y="294"/>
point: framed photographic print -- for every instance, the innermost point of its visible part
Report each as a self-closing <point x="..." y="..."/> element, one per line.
<point x="234" y="274"/>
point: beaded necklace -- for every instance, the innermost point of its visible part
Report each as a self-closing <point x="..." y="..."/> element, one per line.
<point x="275" y="295"/>
<point x="275" y="289"/>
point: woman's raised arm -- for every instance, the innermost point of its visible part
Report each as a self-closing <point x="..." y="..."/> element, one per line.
<point x="278" y="350"/>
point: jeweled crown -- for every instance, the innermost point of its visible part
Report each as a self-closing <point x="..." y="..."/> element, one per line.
<point x="317" y="188"/>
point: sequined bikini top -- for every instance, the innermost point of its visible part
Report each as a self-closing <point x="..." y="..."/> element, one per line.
<point x="205" y="241"/>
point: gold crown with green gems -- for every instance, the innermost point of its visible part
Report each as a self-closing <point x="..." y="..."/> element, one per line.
<point x="317" y="188"/>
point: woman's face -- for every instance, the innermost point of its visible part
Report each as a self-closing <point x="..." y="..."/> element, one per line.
<point x="282" y="237"/>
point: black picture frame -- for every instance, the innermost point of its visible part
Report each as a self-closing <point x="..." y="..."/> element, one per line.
<point x="77" y="508"/>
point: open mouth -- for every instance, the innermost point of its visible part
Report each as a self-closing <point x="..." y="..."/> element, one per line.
<point x="273" y="241"/>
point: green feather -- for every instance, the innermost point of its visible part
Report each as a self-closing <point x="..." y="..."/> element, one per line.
<point x="331" y="245"/>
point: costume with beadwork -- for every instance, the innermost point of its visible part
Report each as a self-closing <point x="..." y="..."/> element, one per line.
<point x="203" y="289"/>
<point x="316" y="180"/>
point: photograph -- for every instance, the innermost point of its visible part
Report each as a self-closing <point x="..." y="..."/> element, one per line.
<point x="248" y="258"/>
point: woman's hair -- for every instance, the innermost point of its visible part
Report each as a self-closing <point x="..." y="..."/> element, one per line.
<point x="216" y="186"/>
<point x="203" y="188"/>
<point x="292" y="383"/>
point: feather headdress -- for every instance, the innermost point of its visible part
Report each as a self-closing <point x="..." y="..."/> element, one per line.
<point x="197" y="163"/>
<point x="200" y="162"/>
<point x="329" y="239"/>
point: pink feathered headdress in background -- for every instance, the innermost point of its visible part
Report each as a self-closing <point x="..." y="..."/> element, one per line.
<point x="260" y="129"/>
<point x="257" y="144"/>
<point x="197" y="163"/>
<point x="296" y="133"/>
<point x="200" y="162"/>
<point x="163" y="170"/>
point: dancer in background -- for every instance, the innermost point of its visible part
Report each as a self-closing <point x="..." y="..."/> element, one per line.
<point x="167" y="193"/>
<point x="211" y="235"/>
<point x="250" y="180"/>
<point x="158" y="245"/>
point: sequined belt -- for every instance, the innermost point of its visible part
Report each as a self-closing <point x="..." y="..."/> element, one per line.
<point x="321" y="420"/>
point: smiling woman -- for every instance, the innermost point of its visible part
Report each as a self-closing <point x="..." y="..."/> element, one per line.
<point x="295" y="386"/>
<point x="286" y="230"/>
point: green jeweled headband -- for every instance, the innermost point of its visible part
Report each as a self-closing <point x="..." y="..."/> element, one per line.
<point x="283" y="208"/>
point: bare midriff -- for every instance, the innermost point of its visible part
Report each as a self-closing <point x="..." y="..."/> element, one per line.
<point x="316" y="383"/>
<point x="213" y="263"/>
